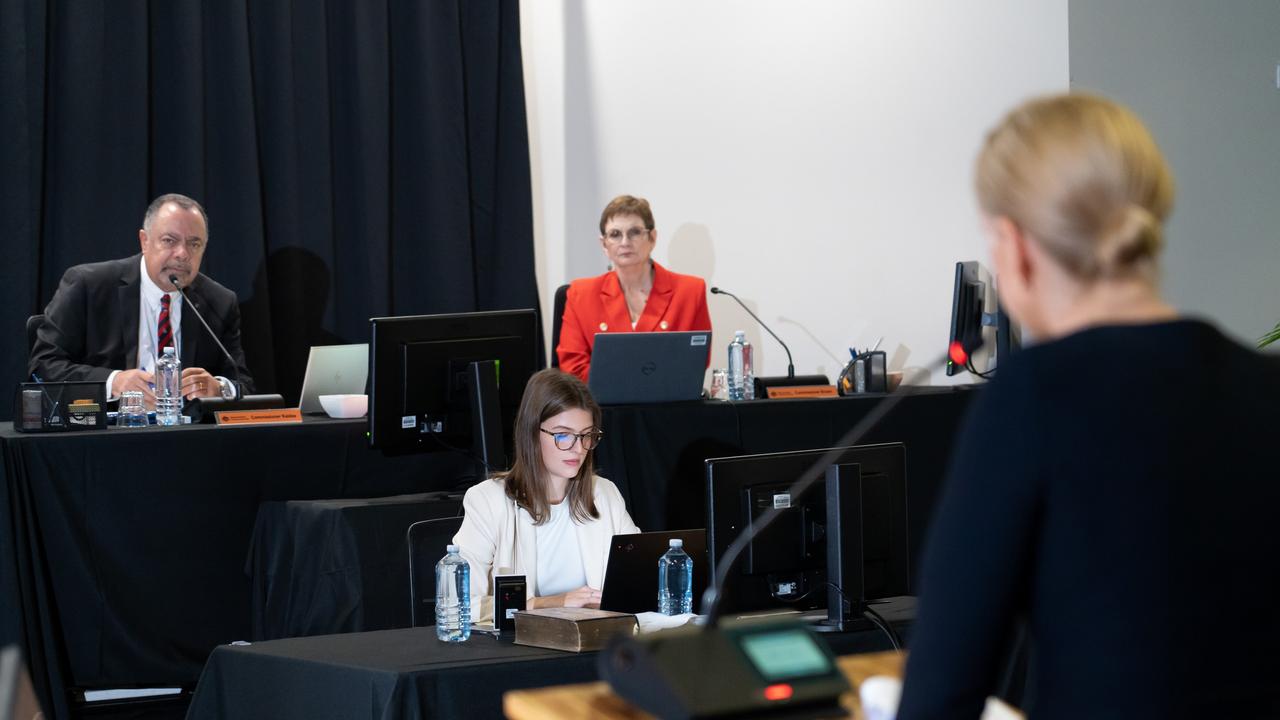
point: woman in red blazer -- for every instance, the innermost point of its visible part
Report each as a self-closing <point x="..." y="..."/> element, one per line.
<point x="637" y="295"/>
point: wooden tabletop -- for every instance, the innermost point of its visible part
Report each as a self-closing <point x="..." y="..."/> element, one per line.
<point x="596" y="700"/>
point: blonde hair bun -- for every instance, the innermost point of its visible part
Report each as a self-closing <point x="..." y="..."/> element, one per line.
<point x="1084" y="178"/>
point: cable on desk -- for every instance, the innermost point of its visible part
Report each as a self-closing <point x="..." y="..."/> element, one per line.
<point x="869" y="613"/>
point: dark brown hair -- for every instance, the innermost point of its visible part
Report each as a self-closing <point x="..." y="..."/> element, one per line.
<point x="549" y="393"/>
<point x="627" y="205"/>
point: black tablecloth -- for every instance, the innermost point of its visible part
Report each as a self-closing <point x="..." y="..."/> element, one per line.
<point x="122" y="552"/>
<point x="395" y="674"/>
<point x="324" y="567"/>
<point x="330" y="566"/>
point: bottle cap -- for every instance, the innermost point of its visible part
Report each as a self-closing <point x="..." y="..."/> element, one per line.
<point x="451" y="549"/>
<point x="675" y="542"/>
<point x="168" y="350"/>
<point x="740" y="333"/>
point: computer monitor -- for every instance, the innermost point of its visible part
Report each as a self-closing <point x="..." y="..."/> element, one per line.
<point x="786" y="565"/>
<point x="969" y="317"/>
<point x="450" y="381"/>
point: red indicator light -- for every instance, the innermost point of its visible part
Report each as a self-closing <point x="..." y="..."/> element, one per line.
<point x="957" y="354"/>
<point x="781" y="691"/>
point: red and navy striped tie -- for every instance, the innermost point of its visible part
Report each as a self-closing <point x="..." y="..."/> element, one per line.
<point x="164" y="331"/>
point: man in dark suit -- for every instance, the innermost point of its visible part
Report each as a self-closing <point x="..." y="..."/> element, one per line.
<point x="109" y="321"/>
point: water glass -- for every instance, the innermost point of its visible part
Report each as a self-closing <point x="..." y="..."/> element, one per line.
<point x="132" y="410"/>
<point x="719" y="385"/>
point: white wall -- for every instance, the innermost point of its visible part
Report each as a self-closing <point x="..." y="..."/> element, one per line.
<point x="1205" y="77"/>
<point x="813" y="157"/>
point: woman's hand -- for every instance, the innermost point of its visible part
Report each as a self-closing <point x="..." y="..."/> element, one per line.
<point x="585" y="596"/>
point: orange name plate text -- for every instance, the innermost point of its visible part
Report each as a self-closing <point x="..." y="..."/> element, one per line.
<point x="258" y="417"/>
<point x="802" y="391"/>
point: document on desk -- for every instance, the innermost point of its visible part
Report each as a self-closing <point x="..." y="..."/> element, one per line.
<point x="655" y="621"/>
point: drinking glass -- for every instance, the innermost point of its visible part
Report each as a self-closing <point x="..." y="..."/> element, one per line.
<point x="719" y="385"/>
<point x="132" y="410"/>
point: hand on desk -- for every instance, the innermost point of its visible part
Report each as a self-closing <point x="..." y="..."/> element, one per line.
<point x="139" y="380"/>
<point x="197" y="382"/>
<point x="584" y="596"/>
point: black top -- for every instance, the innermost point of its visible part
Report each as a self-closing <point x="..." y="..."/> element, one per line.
<point x="1117" y="488"/>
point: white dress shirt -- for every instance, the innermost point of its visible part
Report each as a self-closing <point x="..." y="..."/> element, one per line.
<point x="149" y="298"/>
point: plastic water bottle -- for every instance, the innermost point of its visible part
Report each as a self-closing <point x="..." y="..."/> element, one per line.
<point x="169" y="388"/>
<point x="453" y="597"/>
<point x="748" y="372"/>
<point x="675" y="580"/>
<point x="739" y="356"/>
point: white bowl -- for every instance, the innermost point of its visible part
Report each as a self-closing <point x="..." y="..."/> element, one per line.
<point x="345" y="406"/>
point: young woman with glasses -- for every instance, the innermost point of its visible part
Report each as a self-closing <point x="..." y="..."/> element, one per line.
<point x="550" y="518"/>
<point x="636" y="295"/>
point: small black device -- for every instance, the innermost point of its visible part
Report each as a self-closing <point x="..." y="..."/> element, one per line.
<point x="202" y="410"/>
<point x="442" y="382"/>
<point x="509" y="597"/>
<point x="631" y="577"/>
<point x="749" y="668"/>
<point x="650" y="367"/>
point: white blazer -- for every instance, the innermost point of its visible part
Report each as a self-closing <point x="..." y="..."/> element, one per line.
<point x="498" y="537"/>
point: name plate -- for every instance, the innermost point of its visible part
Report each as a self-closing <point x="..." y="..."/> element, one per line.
<point x="280" y="416"/>
<point x="802" y="391"/>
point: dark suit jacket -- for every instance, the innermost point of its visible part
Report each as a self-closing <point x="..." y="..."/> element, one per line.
<point x="595" y="305"/>
<point x="91" y="326"/>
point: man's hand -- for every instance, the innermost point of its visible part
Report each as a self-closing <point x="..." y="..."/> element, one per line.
<point x="197" y="382"/>
<point x="139" y="380"/>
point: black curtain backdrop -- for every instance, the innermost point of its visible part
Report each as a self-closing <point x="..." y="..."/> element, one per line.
<point x="358" y="158"/>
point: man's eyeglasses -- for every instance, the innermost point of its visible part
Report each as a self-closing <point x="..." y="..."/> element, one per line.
<point x="634" y="235"/>
<point x="566" y="440"/>
<point x="169" y="242"/>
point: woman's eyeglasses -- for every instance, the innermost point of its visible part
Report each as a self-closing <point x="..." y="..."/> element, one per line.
<point x="566" y="440"/>
<point x="634" y="235"/>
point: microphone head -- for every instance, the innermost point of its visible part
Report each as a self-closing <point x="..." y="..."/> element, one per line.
<point x="715" y="291"/>
<point x="173" y="279"/>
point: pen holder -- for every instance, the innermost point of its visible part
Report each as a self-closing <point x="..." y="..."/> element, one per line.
<point x="865" y="373"/>
<point x="59" y="406"/>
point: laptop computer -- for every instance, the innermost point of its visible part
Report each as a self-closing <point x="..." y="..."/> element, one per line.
<point x="333" y="370"/>
<point x="631" y="577"/>
<point x="651" y="367"/>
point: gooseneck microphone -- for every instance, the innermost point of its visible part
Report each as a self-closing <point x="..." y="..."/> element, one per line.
<point x="791" y="368"/>
<point x="188" y="304"/>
